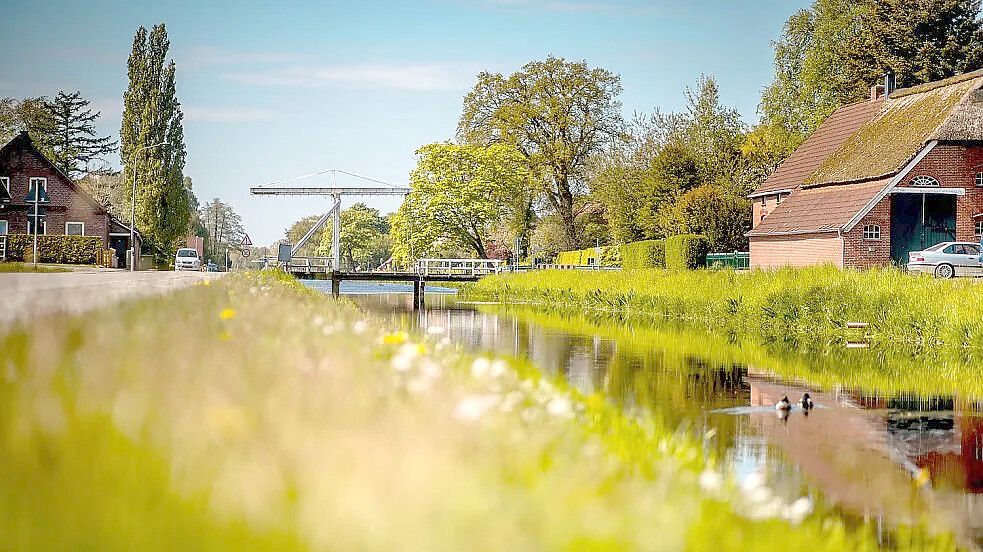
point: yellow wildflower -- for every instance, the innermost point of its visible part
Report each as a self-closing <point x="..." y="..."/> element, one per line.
<point x="395" y="338"/>
<point x="227" y="314"/>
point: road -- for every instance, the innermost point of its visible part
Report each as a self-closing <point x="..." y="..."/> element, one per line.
<point x="32" y="294"/>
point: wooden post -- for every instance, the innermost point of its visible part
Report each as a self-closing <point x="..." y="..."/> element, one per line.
<point x="335" y="286"/>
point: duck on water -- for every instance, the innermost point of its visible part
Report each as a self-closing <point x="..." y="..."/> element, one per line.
<point x="805" y="403"/>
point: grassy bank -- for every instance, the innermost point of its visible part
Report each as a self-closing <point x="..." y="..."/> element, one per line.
<point x="255" y="414"/>
<point x="797" y="306"/>
<point x="29" y="267"/>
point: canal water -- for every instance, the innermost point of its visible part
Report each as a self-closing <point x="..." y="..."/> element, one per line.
<point x="884" y="460"/>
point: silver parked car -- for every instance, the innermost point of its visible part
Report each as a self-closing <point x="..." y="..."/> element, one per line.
<point x="187" y="259"/>
<point x="948" y="260"/>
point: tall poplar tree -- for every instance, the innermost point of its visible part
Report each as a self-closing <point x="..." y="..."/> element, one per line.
<point x="152" y="115"/>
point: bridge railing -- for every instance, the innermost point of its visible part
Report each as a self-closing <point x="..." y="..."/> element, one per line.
<point x="309" y="264"/>
<point x="458" y="267"/>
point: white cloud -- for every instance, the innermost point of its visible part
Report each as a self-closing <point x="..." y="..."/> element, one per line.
<point x="392" y="76"/>
<point x="201" y="114"/>
<point x="211" y="57"/>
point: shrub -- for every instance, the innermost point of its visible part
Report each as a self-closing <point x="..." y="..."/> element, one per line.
<point x="686" y="251"/>
<point x="55" y="249"/>
<point x="644" y="254"/>
<point x="610" y="256"/>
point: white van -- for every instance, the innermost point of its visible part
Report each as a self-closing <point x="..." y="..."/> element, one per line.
<point x="187" y="259"/>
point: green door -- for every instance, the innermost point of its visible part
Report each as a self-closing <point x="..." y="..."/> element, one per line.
<point x="919" y="221"/>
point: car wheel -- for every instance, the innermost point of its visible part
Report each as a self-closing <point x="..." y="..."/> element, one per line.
<point x="944" y="271"/>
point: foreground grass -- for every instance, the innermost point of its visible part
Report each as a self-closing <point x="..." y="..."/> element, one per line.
<point x="798" y="306"/>
<point x="254" y="414"/>
<point x="29" y="267"/>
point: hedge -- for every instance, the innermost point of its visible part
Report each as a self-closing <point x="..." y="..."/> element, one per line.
<point x="686" y="252"/>
<point x="644" y="254"/>
<point x="610" y="256"/>
<point x="56" y="249"/>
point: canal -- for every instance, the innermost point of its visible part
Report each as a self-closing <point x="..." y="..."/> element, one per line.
<point x="870" y="458"/>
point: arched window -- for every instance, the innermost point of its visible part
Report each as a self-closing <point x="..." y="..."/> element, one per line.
<point x="925" y="182"/>
<point x="872" y="232"/>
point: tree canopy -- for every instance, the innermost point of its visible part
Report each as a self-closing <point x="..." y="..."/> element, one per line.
<point x="558" y="114"/>
<point x="152" y="116"/>
<point x="459" y="193"/>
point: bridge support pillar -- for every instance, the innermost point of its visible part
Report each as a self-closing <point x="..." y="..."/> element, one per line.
<point x="419" y="293"/>
<point x="335" y="286"/>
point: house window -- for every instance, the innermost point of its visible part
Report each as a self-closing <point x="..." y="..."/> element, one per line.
<point x="979" y="228"/>
<point x="925" y="182"/>
<point x="872" y="232"/>
<point x="3" y="228"/>
<point x="74" y="228"/>
<point x="42" y="229"/>
<point x="979" y="180"/>
<point x="5" y="182"/>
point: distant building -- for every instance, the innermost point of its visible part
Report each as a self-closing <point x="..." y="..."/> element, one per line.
<point x="71" y="211"/>
<point x="896" y="173"/>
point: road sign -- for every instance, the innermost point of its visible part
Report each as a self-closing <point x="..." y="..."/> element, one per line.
<point x="245" y="252"/>
<point x="245" y="240"/>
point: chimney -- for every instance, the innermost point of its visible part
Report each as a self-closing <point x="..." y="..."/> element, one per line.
<point x="876" y="91"/>
<point x="890" y="84"/>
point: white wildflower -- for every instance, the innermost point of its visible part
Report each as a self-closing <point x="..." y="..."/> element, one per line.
<point x="435" y="330"/>
<point x="498" y="368"/>
<point x="752" y="481"/>
<point x="561" y="407"/>
<point x="360" y="326"/>
<point x="711" y="481"/>
<point x="480" y="367"/>
<point x="798" y="510"/>
<point x="318" y="320"/>
<point x="405" y="357"/>
<point x="472" y="408"/>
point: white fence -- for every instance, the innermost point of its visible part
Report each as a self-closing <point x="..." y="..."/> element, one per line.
<point x="458" y="267"/>
<point x="3" y="247"/>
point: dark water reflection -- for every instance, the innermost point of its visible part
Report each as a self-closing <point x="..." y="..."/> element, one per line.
<point x="881" y="459"/>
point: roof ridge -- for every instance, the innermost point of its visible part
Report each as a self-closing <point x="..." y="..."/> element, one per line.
<point x="928" y="86"/>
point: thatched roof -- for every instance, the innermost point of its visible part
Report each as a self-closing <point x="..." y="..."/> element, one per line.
<point x="907" y="120"/>
<point x="966" y="122"/>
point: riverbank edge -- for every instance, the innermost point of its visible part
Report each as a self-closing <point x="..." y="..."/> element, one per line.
<point x="643" y="448"/>
<point x="820" y="306"/>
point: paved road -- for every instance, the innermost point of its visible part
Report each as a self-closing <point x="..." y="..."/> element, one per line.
<point x="30" y="294"/>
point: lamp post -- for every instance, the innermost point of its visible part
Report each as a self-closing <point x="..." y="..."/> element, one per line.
<point x="133" y="205"/>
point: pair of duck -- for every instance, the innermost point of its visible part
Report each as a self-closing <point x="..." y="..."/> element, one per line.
<point x="805" y="403"/>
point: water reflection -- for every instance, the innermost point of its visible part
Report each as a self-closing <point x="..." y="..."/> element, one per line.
<point x="899" y="458"/>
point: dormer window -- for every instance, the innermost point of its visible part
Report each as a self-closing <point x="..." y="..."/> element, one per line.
<point x="924" y="182"/>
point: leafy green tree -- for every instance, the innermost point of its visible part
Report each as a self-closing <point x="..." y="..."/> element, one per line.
<point x="31" y="115"/>
<point x="74" y="142"/>
<point x="461" y="191"/>
<point x="224" y="227"/>
<point x="832" y="53"/>
<point x="712" y="132"/>
<point x="715" y="212"/>
<point x="300" y="228"/>
<point x="558" y="114"/>
<point x="364" y="237"/>
<point x="152" y="115"/>
<point x="918" y="41"/>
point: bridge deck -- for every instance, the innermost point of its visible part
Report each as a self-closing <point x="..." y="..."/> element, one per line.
<point x="300" y="272"/>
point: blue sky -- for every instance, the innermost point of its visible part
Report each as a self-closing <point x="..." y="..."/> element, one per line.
<point x="281" y="89"/>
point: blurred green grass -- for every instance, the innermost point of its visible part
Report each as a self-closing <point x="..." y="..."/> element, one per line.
<point x="253" y="413"/>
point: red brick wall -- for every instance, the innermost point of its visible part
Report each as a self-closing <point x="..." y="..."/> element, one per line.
<point x="67" y="204"/>
<point x="955" y="166"/>
<point x="761" y="206"/>
<point x="859" y="252"/>
<point x="796" y="250"/>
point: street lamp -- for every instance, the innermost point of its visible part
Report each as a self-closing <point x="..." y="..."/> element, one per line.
<point x="133" y="206"/>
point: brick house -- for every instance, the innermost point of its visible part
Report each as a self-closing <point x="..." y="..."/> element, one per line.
<point x="896" y="173"/>
<point x="71" y="211"/>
